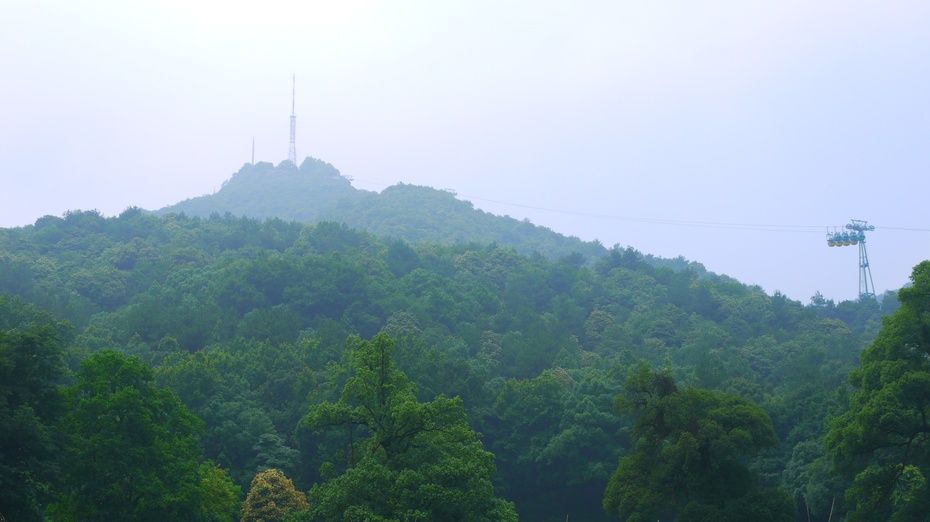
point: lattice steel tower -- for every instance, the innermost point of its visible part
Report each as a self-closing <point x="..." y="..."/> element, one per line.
<point x="857" y="229"/>
<point x="292" y="147"/>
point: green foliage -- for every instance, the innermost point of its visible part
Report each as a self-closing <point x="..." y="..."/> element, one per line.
<point x="131" y="450"/>
<point x="883" y="440"/>
<point x="413" y="461"/>
<point x="31" y="364"/>
<point x="556" y="433"/>
<point x="689" y="449"/>
<point x="271" y="498"/>
<point x="250" y="396"/>
<point x="246" y="321"/>
<point x="317" y="192"/>
<point x="219" y="496"/>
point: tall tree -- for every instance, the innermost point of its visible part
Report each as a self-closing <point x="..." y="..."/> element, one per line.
<point x="218" y="495"/>
<point x="132" y="449"/>
<point x="411" y="460"/>
<point x="883" y="440"/>
<point x="30" y="402"/>
<point x="688" y="458"/>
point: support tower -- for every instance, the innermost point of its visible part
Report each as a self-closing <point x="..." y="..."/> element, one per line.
<point x="856" y="236"/>
<point x="292" y="148"/>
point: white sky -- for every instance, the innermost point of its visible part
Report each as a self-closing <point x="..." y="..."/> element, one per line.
<point x="795" y="112"/>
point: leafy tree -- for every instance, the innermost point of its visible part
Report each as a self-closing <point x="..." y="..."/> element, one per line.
<point x="271" y="497"/>
<point x="412" y="461"/>
<point x="688" y="457"/>
<point x="883" y="440"/>
<point x="31" y="363"/>
<point x="132" y="449"/>
<point x="249" y="396"/>
<point x="219" y="496"/>
<point x="555" y="433"/>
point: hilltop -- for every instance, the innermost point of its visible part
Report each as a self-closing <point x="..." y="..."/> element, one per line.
<point x="542" y="372"/>
<point x="318" y="192"/>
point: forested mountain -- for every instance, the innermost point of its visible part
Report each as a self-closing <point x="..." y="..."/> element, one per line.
<point x="588" y="388"/>
<point x="317" y="192"/>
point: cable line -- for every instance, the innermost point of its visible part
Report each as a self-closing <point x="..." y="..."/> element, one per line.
<point x="675" y="222"/>
<point x="721" y="225"/>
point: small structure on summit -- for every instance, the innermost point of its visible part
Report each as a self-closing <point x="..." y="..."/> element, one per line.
<point x="292" y="147"/>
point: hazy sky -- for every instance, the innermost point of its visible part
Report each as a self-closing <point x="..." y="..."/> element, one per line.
<point x="783" y="112"/>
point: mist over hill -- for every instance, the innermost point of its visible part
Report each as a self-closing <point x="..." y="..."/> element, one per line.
<point x="318" y="192"/>
<point x="297" y="345"/>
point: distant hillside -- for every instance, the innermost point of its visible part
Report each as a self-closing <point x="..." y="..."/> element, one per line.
<point x="247" y="322"/>
<point x="317" y="192"/>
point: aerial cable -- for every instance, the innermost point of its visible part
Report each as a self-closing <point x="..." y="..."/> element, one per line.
<point x="668" y="221"/>
<point x="721" y="225"/>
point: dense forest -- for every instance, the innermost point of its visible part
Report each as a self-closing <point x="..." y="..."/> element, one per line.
<point x="167" y="367"/>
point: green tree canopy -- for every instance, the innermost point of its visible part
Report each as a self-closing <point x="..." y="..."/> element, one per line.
<point x="271" y="497"/>
<point x="883" y="441"/>
<point x="244" y="319"/>
<point x="413" y="460"/>
<point x="688" y="457"/>
<point x="31" y="362"/>
<point x="132" y="450"/>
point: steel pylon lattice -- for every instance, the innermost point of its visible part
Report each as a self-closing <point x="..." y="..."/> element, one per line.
<point x="856" y="236"/>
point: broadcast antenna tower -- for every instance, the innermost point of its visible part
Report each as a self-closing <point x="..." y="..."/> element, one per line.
<point x="857" y="229"/>
<point x="292" y="148"/>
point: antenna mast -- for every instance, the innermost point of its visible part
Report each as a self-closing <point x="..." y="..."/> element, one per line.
<point x="292" y="148"/>
<point x="857" y="229"/>
<point x="253" y="150"/>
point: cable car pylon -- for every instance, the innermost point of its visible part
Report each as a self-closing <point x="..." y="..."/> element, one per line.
<point x="856" y="236"/>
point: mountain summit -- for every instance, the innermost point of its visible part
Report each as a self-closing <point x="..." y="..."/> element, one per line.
<point x="316" y="191"/>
